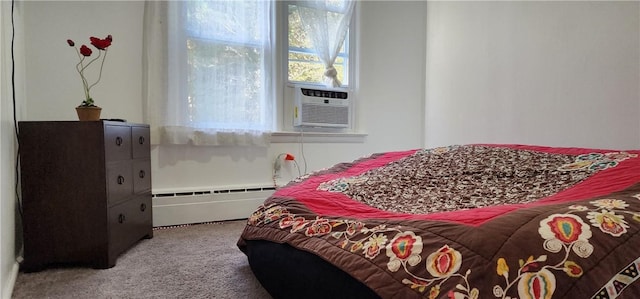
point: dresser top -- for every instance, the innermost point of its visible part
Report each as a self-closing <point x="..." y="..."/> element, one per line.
<point x="103" y="121"/>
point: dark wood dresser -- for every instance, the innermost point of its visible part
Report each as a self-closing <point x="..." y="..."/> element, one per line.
<point x="86" y="191"/>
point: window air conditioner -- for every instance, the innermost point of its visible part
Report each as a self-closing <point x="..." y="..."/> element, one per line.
<point x="321" y="107"/>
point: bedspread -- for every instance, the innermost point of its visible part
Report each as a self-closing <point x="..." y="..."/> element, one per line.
<point x="469" y="221"/>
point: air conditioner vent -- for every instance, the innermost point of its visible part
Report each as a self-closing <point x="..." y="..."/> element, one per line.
<point x="330" y="94"/>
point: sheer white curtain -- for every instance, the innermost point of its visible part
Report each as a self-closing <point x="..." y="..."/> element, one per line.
<point x="207" y="72"/>
<point x="327" y="23"/>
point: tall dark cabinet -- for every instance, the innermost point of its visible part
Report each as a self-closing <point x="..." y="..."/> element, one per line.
<point x="86" y="191"/>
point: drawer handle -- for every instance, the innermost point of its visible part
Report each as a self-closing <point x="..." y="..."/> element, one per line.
<point x="121" y="218"/>
<point x="141" y="174"/>
<point x="120" y="180"/>
<point x="143" y="207"/>
<point x="118" y="141"/>
<point x="141" y="140"/>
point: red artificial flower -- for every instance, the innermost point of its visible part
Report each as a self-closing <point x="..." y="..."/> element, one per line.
<point x="83" y="64"/>
<point x="85" y="51"/>
<point x="101" y="44"/>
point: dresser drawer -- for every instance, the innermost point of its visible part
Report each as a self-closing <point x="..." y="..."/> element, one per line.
<point x="140" y="142"/>
<point x="119" y="181"/>
<point x="141" y="176"/>
<point x="117" y="143"/>
<point x="129" y="222"/>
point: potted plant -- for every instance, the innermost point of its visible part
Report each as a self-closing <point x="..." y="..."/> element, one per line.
<point x="88" y="110"/>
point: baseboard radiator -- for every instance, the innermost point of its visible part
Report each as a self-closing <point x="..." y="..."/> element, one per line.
<point x="179" y="207"/>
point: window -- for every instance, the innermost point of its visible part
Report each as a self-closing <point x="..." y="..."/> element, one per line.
<point x="304" y="66"/>
<point x="211" y="65"/>
<point x="228" y="57"/>
<point x="227" y="62"/>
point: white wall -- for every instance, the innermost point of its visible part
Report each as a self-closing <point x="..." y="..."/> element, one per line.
<point x="536" y="72"/>
<point x="8" y="217"/>
<point x="390" y="89"/>
<point x="54" y="88"/>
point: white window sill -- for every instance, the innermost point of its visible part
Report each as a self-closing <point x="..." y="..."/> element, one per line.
<point x="317" y="137"/>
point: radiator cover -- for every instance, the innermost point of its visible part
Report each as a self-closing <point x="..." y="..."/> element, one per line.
<point x="186" y="207"/>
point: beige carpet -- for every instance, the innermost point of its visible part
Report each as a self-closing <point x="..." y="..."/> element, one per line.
<point x="198" y="261"/>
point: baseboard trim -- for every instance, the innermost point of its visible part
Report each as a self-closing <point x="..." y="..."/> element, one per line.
<point x="7" y="292"/>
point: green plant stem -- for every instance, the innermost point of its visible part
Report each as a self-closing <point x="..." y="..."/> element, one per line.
<point x="79" y="68"/>
<point x="101" y="66"/>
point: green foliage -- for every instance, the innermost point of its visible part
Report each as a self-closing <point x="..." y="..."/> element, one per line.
<point x="306" y="67"/>
<point x="239" y="66"/>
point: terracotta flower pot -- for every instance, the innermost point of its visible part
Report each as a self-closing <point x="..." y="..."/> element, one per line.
<point x="88" y="113"/>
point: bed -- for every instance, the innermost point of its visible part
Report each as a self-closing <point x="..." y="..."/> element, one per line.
<point x="462" y="221"/>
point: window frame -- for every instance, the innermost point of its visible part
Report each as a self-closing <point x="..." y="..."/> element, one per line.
<point x="284" y="88"/>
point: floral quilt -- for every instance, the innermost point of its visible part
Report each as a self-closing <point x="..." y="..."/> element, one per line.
<point x="470" y="221"/>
